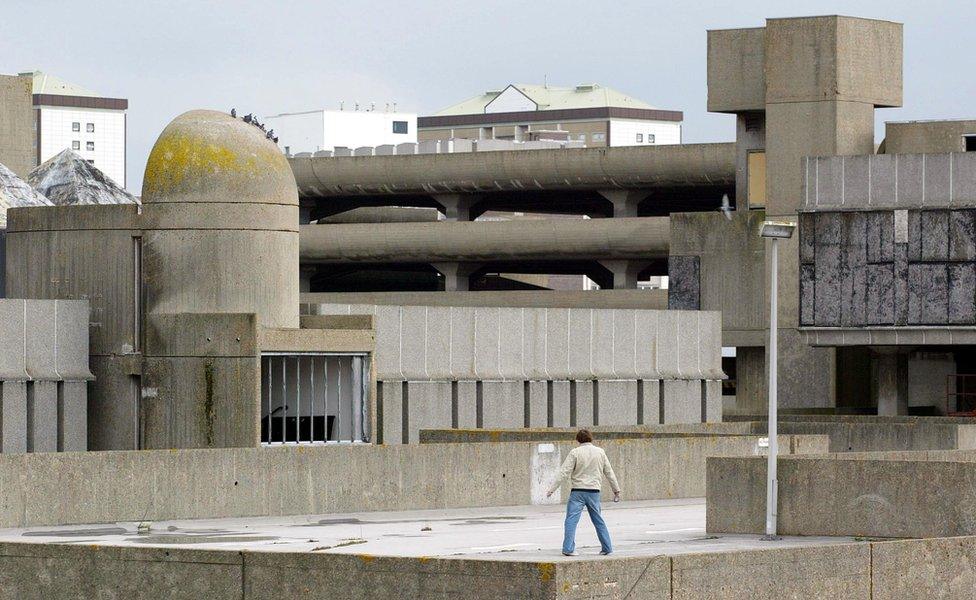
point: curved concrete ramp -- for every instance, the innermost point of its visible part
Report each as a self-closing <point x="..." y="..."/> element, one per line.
<point x="553" y="239"/>
<point x="684" y="165"/>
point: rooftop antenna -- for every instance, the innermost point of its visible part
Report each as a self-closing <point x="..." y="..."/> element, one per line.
<point x="386" y="108"/>
<point x="394" y="107"/>
<point x="357" y="106"/>
<point x="341" y="103"/>
<point x="372" y="106"/>
<point x="545" y="80"/>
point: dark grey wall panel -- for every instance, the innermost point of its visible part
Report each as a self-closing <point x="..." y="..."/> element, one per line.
<point x="684" y="283"/>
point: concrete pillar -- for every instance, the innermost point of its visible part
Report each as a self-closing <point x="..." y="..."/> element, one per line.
<point x="625" y="202"/>
<point x="456" y="275"/>
<point x="890" y="381"/>
<point x="625" y="272"/>
<point x="13" y="416"/>
<point x="456" y="207"/>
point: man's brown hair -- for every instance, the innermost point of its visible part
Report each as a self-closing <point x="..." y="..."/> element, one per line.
<point x="583" y="436"/>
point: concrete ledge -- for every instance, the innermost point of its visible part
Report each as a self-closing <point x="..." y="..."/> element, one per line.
<point x="643" y="299"/>
<point x="99" y="487"/>
<point x="900" y="495"/>
<point x="933" y="568"/>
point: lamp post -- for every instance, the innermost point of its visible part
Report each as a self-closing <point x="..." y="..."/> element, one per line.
<point x="776" y="231"/>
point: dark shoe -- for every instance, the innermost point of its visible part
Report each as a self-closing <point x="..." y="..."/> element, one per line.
<point x="606" y="553"/>
<point x="573" y="553"/>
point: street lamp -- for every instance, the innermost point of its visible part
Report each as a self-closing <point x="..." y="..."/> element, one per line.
<point x="776" y="231"/>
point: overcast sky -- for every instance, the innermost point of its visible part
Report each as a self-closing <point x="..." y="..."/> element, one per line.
<point x="274" y="56"/>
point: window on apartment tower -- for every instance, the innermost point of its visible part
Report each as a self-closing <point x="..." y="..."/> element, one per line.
<point x="399" y="127"/>
<point x="89" y="145"/>
<point x="640" y="138"/>
<point x="970" y="142"/>
<point x="90" y="128"/>
<point x="75" y="145"/>
<point x="76" y="127"/>
<point x="650" y="138"/>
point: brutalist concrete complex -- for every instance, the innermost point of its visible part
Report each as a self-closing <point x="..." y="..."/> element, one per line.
<point x="187" y="292"/>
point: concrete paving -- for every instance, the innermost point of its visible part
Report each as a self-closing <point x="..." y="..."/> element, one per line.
<point x="530" y="533"/>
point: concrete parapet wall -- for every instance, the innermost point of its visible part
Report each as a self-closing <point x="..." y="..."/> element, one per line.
<point x="872" y="433"/>
<point x="654" y="299"/>
<point x="49" y="489"/>
<point x="432" y="343"/>
<point x="890" y="181"/>
<point x="900" y="496"/>
<point x="932" y="568"/>
<point x="592" y="168"/>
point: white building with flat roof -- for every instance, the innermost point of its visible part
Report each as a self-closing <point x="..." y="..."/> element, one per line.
<point x="70" y="116"/>
<point x="318" y="130"/>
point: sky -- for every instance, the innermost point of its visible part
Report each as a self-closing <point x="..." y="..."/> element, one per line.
<point x="285" y="55"/>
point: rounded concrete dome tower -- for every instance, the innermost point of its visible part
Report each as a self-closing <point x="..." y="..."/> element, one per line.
<point x="221" y="222"/>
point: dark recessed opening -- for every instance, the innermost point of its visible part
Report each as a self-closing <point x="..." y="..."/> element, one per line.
<point x="970" y="142"/>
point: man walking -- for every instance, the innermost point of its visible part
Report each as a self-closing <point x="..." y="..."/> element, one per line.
<point x="585" y="467"/>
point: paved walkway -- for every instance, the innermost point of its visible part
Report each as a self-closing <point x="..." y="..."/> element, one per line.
<point x="642" y="528"/>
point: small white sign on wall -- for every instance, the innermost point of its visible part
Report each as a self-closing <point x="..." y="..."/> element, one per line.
<point x="545" y="464"/>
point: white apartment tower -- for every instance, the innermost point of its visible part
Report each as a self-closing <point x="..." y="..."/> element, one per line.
<point x="70" y="116"/>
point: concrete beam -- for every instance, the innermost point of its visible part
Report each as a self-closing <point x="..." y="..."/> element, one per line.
<point x="684" y="165"/>
<point x="553" y="239"/>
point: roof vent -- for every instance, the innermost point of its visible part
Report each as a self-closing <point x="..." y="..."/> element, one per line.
<point x="586" y="87"/>
<point x="493" y="92"/>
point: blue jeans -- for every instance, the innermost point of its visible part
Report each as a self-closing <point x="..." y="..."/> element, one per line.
<point x="574" y="508"/>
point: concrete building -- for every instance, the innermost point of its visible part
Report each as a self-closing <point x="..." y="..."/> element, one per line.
<point x="70" y="116"/>
<point x="325" y="130"/>
<point x="18" y="135"/>
<point x="591" y="114"/>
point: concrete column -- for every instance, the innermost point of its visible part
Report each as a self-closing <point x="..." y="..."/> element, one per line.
<point x="890" y="381"/>
<point x="456" y="207"/>
<point x="456" y="275"/>
<point x="625" y="202"/>
<point x="625" y="272"/>
<point x="13" y="416"/>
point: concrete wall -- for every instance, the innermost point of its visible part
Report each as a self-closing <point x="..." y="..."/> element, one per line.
<point x="877" y="495"/>
<point x="648" y="299"/>
<point x="17" y="124"/>
<point x="48" y="489"/>
<point x="43" y="375"/>
<point x="933" y="568"/>
<point x="865" y="434"/>
<point x="927" y="136"/>
<point x="428" y="343"/>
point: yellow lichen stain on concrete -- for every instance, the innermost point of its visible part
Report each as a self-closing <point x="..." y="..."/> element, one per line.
<point x="547" y="571"/>
<point x="423" y="559"/>
<point x="366" y="558"/>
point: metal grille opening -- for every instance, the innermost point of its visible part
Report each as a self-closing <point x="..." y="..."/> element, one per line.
<point x="313" y="398"/>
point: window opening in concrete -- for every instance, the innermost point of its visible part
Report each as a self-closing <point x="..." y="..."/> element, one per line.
<point x="756" y="179"/>
<point x="970" y="141"/>
<point x="728" y="366"/>
<point x="399" y="127"/>
<point x="310" y="398"/>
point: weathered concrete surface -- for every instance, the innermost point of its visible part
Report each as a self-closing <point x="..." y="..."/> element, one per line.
<point x="18" y="151"/>
<point x="940" y="569"/>
<point x="430" y="343"/>
<point x="476" y="172"/>
<point x="877" y="495"/>
<point x="551" y="239"/>
<point x="57" y="488"/>
<point x="871" y="433"/>
<point x="916" y="137"/>
<point x="830" y="572"/>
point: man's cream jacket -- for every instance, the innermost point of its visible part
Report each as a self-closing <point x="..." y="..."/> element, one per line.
<point x="585" y="467"/>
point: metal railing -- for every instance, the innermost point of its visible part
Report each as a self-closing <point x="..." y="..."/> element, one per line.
<point x="314" y="398"/>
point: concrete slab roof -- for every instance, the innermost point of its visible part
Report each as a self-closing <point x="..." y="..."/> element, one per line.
<point x="519" y="533"/>
<point x="547" y="97"/>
